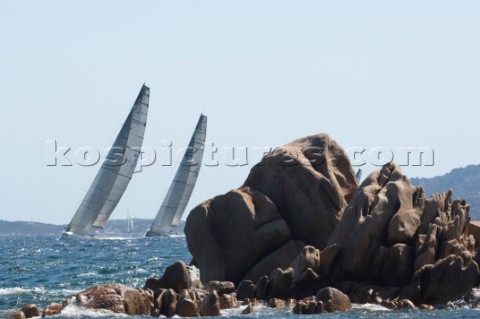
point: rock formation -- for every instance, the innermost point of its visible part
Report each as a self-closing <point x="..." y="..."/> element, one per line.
<point x="117" y="298"/>
<point x="392" y="236"/>
<point x="301" y="207"/>
<point x="310" y="180"/>
<point x="296" y="195"/>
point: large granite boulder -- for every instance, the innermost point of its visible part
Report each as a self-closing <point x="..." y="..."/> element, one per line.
<point x="310" y="180"/>
<point x="117" y="298"/>
<point x="296" y="195"/>
<point x="239" y="235"/>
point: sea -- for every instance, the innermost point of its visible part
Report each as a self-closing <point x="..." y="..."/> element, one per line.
<point x="43" y="269"/>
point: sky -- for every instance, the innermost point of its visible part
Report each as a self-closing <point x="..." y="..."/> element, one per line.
<point x="374" y="75"/>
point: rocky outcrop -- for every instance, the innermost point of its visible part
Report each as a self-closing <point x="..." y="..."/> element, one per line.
<point x="385" y="237"/>
<point x="117" y="298"/>
<point x="296" y="195"/>
<point x="391" y="235"/>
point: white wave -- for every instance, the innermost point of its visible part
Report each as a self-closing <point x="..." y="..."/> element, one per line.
<point x="115" y="238"/>
<point x="75" y="311"/>
<point x="260" y="310"/>
<point x="36" y="290"/>
<point x="68" y="291"/>
<point x="476" y="293"/>
<point x="141" y="271"/>
<point x="369" y="307"/>
<point x="88" y="274"/>
<point x="176" y="235"/>
<point x="19" y="290"/>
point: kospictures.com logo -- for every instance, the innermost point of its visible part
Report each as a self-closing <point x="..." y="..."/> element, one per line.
<point x="233" y="156"/>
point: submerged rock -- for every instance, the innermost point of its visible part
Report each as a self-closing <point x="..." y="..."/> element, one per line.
<point x="248" y="310"/>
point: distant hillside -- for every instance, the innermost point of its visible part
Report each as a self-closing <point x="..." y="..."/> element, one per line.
<point x="465" y="183"/>
<point x="112" y="227"/>
<point x="28" y="228"/>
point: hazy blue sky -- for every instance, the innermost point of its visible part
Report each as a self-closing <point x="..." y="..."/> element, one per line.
<point x="369" y="73"/>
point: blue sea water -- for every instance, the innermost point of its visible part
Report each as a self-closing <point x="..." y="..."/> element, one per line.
<point x="45" y="269"/>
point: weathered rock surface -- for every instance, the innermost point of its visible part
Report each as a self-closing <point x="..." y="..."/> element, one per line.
<point x="295" y="196"/>
<point x="308" y="306"/>
<point x="393" y="236"/>
<point x="246" y="290"/>
<point x="279" y="283"/>
<point x="310" y="180"/>
<point x="176" y="277"/>
<point x="239" y="235"/>
<point x="167" y="302"/>
<point x="222" y="287"/>
<point x="31" y="310"/>
<point x="17" y="315"/>
<point x="228" y="301"/>
<point x="210" y="305"/>
<point x="333" y="300"/>
<point x="117" y="298"/>
<point x="187" y="305"/>
<point x="52" y="309"/>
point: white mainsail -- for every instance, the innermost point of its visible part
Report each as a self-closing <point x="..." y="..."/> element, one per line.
<point x="115" y="173"/>
<point x="183" y="183"/>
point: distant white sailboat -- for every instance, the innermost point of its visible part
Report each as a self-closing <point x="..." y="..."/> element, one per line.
<point x="181" y="189"/>
<point x="130" y="226"/>
<point x="115" y="173"/>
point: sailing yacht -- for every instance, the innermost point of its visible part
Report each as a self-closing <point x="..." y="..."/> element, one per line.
<point x="129" y="224"/>
<point x="183" y="183"/>
<point x="115" y="173"/>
